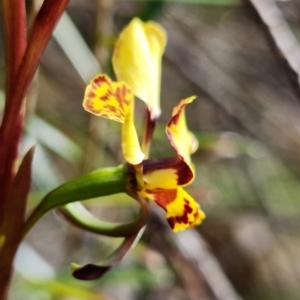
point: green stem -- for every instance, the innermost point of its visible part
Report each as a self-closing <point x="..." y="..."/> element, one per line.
<point x="102" y="182"/>
<point x="77" y="214"/>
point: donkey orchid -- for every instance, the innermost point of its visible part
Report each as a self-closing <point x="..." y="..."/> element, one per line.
<point x="137" y="64"/>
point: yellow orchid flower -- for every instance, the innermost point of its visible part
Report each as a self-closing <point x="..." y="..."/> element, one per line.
<point x="137" y="64"/>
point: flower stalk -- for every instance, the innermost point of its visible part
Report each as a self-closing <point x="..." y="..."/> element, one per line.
<point x="12" y="122"/>
<point x="22" y="59"/>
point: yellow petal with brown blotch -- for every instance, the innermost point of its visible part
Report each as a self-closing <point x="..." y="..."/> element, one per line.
<point x="166" y="173"/>
<point x="182" y="210"/>
<point x="115" y="101"/>
<point x="182" y="140"/>
<point x="107" y="99"/>
<point x="137" y="61"/>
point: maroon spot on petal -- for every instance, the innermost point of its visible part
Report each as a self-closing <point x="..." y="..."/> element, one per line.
<point x="153" y="164"/>
<point x="174" y="120"/>
<point x="164" y="197"/>
<point x="178" y="219"/>
<point x="196" y="214"/>
<point x="91" y="94"/>
<point x="88" y="105"/>
<point x="185" y="219"/>
<point x="184" y="173"/>
<point x="171" y="222"/>
<point x="101" y="79"/>
<point x="124" y="90"/>
<point x="150" y="126"/>
<point x="104" y="97"/>
<point x="188" y="209"/>
<point x="120" y="94"/>
<point x="112" y="108"/>
<point x="186" y="201"/>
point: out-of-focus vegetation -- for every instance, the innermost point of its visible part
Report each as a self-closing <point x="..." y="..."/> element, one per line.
<point x="246" y="118"/>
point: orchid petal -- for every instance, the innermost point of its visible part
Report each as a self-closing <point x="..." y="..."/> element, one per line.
<point x="137" y="61"/>
<point x="115" y="101"/>
<point x="182" y="210"/>
<point x="166" y="173"/>
<point x="163" y="181"/>
<point x="181" y="139"/>
<point x="130" y="142"/>
<point x="107" y="99"/>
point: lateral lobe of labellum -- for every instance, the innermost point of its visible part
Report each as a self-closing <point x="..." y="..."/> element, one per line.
<point x="183" y="171"/>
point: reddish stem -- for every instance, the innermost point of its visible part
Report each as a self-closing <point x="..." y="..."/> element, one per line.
<point x="21" y="64"/>
<point x="43" y="27"/>
<point x="14" y="15"/>
<point x="15" y="39"/>
<point x="148" y="133"/>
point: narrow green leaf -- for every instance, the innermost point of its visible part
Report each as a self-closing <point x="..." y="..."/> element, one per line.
<point x="77" y="51"/>
<point x="44" y="174"/>
<point x="101" y="182"/>
<point x="51" y="137"/>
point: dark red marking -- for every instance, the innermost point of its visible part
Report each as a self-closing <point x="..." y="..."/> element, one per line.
<point x="188" y="209"/>
<point x="183" y="171"/>
<point x="171" y="222"/>
<point x="164" y="197"/>
<point x="91" y="94"/>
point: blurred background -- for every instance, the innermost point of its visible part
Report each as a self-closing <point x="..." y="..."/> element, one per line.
<point x="242" y="60"/>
